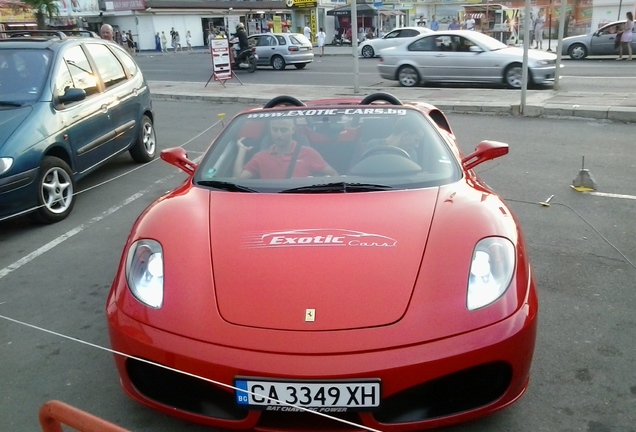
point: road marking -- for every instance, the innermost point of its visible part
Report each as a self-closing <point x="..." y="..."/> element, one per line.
<point x="50" y="245"/>
<point x="612" y="195"/>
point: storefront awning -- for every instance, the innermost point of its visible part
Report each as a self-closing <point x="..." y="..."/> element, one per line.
<point x="476" y="15"/>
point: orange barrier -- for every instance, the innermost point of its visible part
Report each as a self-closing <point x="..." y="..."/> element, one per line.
<point x="53" y="414"/>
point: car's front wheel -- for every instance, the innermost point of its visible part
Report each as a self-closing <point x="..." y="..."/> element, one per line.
<point x="367" y="51"/>
<point x="408" y="76"/>
<point x="577" y="52"/>
<point x="513" y="76"/>
<point x="300" y="65"/>
<point x="145" y="148"/>
<point x="55" y="191"/>
<point x="278" y="63"/>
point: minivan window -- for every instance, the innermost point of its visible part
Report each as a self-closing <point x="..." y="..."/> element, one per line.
<point x="80" y="70"/>
<point x="109" y="67"/>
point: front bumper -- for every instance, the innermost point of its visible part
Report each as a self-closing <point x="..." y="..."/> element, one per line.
<point x="544" y="74"/>
<point x="18" y="192"/>
<point x="429" y="385"/>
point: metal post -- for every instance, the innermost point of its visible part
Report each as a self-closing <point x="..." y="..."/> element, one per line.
<point x="354" y="45"/>
<point x="526" y="46"/>
<point x="561" y="31"/>
<point x="550" y="27"/>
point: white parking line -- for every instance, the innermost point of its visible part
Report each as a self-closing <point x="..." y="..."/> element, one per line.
<point x="612" y="195"/>
<point x="50" y="245"/>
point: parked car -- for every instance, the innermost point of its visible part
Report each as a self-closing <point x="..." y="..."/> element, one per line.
<point x="371" y="47"/>
<point x="356" y="265"/>
<point x="600" y="42"/>
<point x="67" y="106"/>
<point x="281" y="49"/>
<point x="463" y="56"/>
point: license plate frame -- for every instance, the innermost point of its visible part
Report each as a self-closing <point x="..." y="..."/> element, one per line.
<point x="316" y="395"/>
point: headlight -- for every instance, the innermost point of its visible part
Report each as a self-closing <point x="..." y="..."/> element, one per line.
<point x="491" y="271"/>
<point x="144" y="272"/>
<point x="5" y="164"/>
<point x="543" y="62"/>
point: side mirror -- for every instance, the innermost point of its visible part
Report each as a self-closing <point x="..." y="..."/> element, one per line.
<point x="474" y="48"/>
<point x="485" y="151"/>
<point x="72" y="94"/>
<point x="178" y="157"/>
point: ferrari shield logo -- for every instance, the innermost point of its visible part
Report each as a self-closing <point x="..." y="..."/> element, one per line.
<point x="310" y="315"/>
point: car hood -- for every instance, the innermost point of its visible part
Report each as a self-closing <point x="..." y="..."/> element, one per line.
<point x="231" y="277"/>
<point x="278" y="266"/>
<point x="532" y="54"/>
<point x="10" y="120"/>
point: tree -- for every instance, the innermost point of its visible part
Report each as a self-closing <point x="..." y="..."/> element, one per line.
<point x="43" y="9"/>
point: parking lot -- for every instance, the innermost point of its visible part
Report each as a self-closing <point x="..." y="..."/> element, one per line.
<point x="54" y="279"/>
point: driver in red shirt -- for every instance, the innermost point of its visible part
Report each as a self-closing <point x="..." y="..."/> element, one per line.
<point x="274" y="162"/>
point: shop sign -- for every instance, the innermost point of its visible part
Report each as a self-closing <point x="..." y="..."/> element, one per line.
<point x="301" y="3"/>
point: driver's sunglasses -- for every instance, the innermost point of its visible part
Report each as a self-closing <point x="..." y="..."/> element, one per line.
<point x="279" y="129"/>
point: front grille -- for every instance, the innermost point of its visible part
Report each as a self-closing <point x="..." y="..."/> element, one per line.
<point x="451" y="394"/>
<point x="183" y="392"/>
<point x="286" y="421"/>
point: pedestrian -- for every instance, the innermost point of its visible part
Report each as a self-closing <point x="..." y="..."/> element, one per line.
<point x="322" y="37"/>
<point x="157" y="42"/>
<point x="307" y="32"/>
<point x="469" y="24"/>
<point x="434" y="24"/>
<point x="164" y="42"/>
<point x="106" y="32"/>
<point x="189" y="40"/>
<point x="626" y="37"/>
<point x="131" y="43"/>
<point x="369" y="34"/>
<point x="177" y="41"/>
<point x="539" y="22"/>
<point x="124" y="40"/>
<point x="454" y="25"/>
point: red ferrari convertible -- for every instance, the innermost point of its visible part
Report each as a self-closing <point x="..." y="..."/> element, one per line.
<point x="327" y="264"/>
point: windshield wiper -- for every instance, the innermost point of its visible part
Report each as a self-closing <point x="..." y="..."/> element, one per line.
<point x="339" y="187"/>
<point x="228" y="186"/>
<point x="10" y="103"/>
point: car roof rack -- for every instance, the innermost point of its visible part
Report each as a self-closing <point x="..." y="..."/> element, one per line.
<point x="41" y="35"/>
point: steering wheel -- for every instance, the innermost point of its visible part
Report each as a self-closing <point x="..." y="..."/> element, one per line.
<point x="385" y="149"/>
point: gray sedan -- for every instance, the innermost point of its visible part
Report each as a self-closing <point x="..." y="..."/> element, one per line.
<point x="601" y="42"/>
<point x="463" y="56"/>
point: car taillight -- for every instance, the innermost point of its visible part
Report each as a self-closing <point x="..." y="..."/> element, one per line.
<point x="293" y="48"/>
<point x="381" y="59"/>
<point x="253" y="49"/>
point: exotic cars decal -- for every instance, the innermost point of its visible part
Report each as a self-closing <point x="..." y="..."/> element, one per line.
<point x="317" y="237"/>
<point x="332" y="111"/>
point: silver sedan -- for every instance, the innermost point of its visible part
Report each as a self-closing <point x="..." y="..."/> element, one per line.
<point x="463" y="56"/>
<point x="601" y="42"/>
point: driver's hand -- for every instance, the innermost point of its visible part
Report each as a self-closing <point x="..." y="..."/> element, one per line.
<point x="241" y="145"/>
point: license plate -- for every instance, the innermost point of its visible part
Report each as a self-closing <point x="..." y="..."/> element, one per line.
<point x="323" y="396"/>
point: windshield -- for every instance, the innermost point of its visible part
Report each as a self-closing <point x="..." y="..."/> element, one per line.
<point x="22" y="74"/>
<point x="487" y="41"/>
<point x="341" y="149"/>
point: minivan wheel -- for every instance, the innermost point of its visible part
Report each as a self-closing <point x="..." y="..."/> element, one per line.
<point x="55" y="191"/>
<point x="408" y="76"/>
<point x="145" y="149"/>
<point x="278" y="63"/>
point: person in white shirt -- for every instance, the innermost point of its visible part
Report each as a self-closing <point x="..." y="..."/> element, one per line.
<point x="322" y="37"/>
<point x="307" y="32"/>
<point x="469" y="24"/>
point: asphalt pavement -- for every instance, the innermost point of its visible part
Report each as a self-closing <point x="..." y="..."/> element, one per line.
<point x="548" y="102"/>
